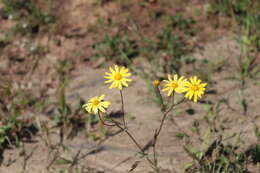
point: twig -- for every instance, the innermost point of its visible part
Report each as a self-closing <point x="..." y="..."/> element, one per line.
<point x="123" y="129"/>
<point x="123" y="109"/>
<point x="56" y="155"/>
<point x="129" y="134"/>
<point x="157" y="132"/>
<point x="26" y="158"/>
<point x="103" y="122"/>
<point x="75" y="160"/>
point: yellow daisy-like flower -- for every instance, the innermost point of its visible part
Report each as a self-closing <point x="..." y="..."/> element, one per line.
<point x="195" y="89"/>
<point x="96" y="104"/>
<point x="118" y="77"/>
<point x="175" y="84"/>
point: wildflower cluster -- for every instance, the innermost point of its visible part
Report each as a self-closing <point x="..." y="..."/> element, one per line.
<point x="193" y="88"/>
<point x="119" y="78"/>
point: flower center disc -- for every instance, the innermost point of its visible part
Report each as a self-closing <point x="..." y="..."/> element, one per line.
<point x="195" y="88"/>
<point x="174" y="85"/>
<point x="118" y="76"/>
<point x="95" y="102"/>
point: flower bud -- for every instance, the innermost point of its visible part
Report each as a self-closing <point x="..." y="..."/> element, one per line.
<point x="156" y="83"/>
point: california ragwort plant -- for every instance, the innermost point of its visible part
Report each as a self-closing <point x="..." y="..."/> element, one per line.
<point x="120" y="79"/>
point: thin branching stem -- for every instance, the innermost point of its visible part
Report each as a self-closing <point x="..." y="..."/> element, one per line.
<point x="157" y="132"/>
<point x="103" y="122"/>
<point x="123" y="129"/>
<point x="123" y="109"/>
<point x="129" y="134"/>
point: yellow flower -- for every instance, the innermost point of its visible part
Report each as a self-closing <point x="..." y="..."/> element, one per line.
<point x="156" y="83"/>
<point x="195" y="89"/>
<point x="118" y="77"/>
<point x="175" y="84"/>
<point x="96" y="104"/>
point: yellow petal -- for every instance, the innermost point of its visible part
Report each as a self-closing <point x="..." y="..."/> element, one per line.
<point x="111" y="69"/>
<point x="93" y="99"/>
<point x="191" y="80"/>
<point x="95" y="110"/>
<point x="108" y="77"/>
<point x="88" y="110"/>
<point x="179" y="90"/>
<point x="116" y="69"/>
<point x="105" y="104"/>
<point x="165" y="89"/>
<point x="123" y="70"/>
<point x="120" y="85"/>
<point x="175" y="77"/>
<point x="124" y="83"/>
<point x="181" y="78"/>
<point x="128" y="80"/>
<point x="195" y="98"/>
<point x="126" y="74"/>
<point x="101" y="97"/>
<point x="109" y="81"/>
<point x="114" y="84"/>
<point x="85" y="105"/>
<point x="203" y="84"/>
<point x="170" y="92"/>
<point x="102" y="109"/>
<point x="169" y="77"/>
<point x="190" y="94"/>
<point x="198" y="82"/>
